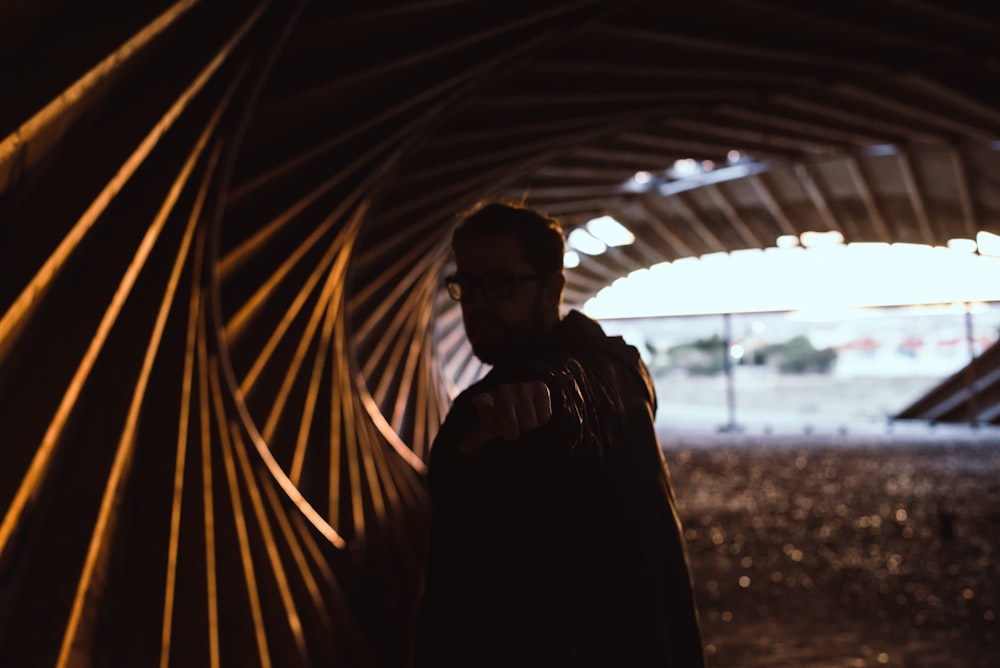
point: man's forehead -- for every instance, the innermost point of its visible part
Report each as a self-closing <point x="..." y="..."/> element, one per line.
<point x="491" y="249"/>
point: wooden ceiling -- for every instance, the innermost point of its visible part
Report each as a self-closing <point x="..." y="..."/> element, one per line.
<point x="223" y="226"/>
<point x="876" y="120"/>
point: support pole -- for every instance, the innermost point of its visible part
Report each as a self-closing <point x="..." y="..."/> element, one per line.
<point x="970" y="368"/>
<point x="727" y="361"/>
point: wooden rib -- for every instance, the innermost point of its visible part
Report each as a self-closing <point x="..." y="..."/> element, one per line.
<point x="375" y="322"/>
<point x="653" y="160"/>
<point x="965" y="200"/>
<point x="332" y="312"/>
<point x="601" y="266"/>
<point x="659" y="225"/>
<point x="52" y="115"/>
<point x="424" y="402"/>
<point x="886" y="127"/>
<point x="342" y="240"/>
<point x="298" y="547"/>
<point x="720" y="45"/>
<point x="916" y="201"/>
<point x="194" y="311"/>
<point x="865" y="194"/>
<point x="771" y="204"/>
<point x="388" y="141"/>
<point x="513" y="50"/>
<point x="419" y="332"/>
<point x="338" y="423"/>
<point x="259" y="242"/>
<point x="956" y="98"/>
<point x="33" y="292"/>
<point x="918" y="111"/>
<point x="398" y="294"/>
<point x="235" y="325"/>
<point x="566" y="131"/>
<point x="349" y="435"/>
<point x="106" y="523"/>
<point x="339" y="249"/>
<point x="366" y="445"/>
<point x="267" y="457"/>
<point x="694" y="222"/>
<point x="812" y="129"/>
<point x="39" y="466"/>
<point x="270" y="545"/>
<point x="208" y="504"/>
<point x="239" y="518"/>
<point x="655" y="72"/>
<point x="375" y="475"/>
<point x="816" y="196"/>
<point x="384" y="428"/>
<point x="649" y="253"/>
<point x="559" y="171"/>
<point x="395" y="489"/>
<point x="470" y="75"/>
<point x="568" y="192"/>
<point x="321" y="564"/>
<point x="720" y="200"/>
<point x="742" y="136"/>
<point x="481" y="166"/>
<point x="397" y="336"/>
<point x="183" y="422"/>
<point x="432" y="398"/>
<point x="557" y="137"/>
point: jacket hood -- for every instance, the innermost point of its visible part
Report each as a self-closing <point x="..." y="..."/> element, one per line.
<point x="580" y="333"/>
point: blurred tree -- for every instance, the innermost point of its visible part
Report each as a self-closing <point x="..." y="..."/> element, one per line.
<point x="707" y="357"/>
<point x="797" y="355"/>
<point x="703" y="357"/>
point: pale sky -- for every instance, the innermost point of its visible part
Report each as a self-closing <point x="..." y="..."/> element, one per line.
<point x="791" y="279"/>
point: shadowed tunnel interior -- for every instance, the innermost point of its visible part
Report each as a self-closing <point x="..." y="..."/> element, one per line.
<point x="224" y="347"/>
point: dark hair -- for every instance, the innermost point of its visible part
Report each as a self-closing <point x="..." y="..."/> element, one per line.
<point x="540" y="236"/>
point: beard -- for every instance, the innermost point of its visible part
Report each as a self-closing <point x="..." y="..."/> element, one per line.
<point x="495" y="340"/>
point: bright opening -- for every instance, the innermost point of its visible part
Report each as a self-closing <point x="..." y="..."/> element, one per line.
<point x="829" y="277"/>
<point x="812" y="334"/>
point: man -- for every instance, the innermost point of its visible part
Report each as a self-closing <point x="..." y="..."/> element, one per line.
<point x="554" y="536"/>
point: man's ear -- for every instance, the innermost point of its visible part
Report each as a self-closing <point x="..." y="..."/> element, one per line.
<point x="553" y="288"/>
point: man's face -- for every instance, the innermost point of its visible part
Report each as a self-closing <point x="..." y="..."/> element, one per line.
<point x="499" y="327"/>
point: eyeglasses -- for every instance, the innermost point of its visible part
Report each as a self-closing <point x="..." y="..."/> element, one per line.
<point x="495" y="285"/>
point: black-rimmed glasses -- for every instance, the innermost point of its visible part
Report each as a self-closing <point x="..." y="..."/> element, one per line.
<point x="495" y="285"/>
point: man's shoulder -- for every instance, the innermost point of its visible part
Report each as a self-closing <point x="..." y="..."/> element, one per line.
<point x="584" y="338"/>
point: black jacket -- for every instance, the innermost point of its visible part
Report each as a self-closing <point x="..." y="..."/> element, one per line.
<point x="563" y="548"/>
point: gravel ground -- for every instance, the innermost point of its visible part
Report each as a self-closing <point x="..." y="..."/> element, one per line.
<point x="843" y="551"/>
